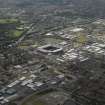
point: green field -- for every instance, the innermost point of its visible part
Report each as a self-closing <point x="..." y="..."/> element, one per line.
<point x="33" y="100"/>
<point x="15" y="33"/>
<point x="8" y="21"/>
<point x="36" y="99"/>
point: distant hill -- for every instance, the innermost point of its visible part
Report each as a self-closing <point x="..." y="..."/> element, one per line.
<point x="94" y="8"/>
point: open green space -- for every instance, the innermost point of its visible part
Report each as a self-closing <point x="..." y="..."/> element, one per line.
<point x="8" y="21"/>
<point x="36" y="99"/>
<point x="15" y="33"/>
<point x="11" y="28"/>
<point x="33" y="100"/>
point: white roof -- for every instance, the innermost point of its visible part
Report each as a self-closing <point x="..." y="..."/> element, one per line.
<point x="13" y="83"/>
<point x="63" y="43"/>
<point x="60" y="76"/>
<point x="33" y="76"/>
<point x="77" y="29"/>
<point x="18" y="66"/>
<point x="49" y="34"/>
<point x="60" y="59"/>
<point x="101" y="45"/>
<point x="38" y="83"/>
<point x="22" y="78"/>
<point x="26" y="82"/>
<point x="1" y="98"/>
<point x="30" y="85"/>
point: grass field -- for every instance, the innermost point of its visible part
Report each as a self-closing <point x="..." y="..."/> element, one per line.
<point x="8" y="21"/>
<point x="33" y="100"/>
<point x="12" y="31"/>
<point x="15" y="33"/>
<point x="36" y="99"/>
